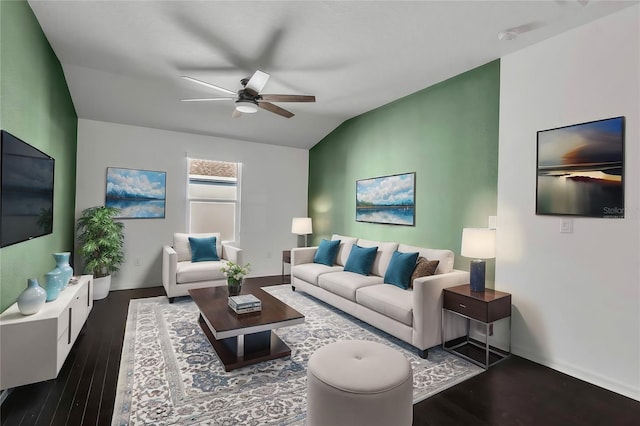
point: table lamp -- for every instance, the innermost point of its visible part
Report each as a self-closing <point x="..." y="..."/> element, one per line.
<point x="479" y="244"/>
<point x="302" y="226"/>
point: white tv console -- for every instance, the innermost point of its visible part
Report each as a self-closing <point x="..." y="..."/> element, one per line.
<point x="34" y="347"/>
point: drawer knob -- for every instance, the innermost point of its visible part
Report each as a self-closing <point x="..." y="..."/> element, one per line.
<point x="463" y="305"/>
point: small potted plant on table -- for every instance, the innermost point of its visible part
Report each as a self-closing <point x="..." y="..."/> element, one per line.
<point x="235" y="274"/>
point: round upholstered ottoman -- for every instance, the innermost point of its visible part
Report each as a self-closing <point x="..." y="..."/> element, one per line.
<point x="355" y="382"/>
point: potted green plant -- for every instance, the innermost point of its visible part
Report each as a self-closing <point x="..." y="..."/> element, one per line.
<point x="235" y="274"/>
<point x="101" y="241"/>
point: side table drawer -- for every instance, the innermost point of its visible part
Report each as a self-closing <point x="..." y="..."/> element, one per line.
<point x="476" y="309"/>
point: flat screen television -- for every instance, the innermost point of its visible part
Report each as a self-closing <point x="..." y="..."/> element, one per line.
<point x="26" y="191"/>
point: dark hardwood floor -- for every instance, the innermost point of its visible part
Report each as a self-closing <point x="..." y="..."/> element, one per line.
<point x="514" y="392"/>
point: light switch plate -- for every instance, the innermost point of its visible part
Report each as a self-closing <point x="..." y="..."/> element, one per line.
<point x="566" y="226"/>
<point x="493" y="222"/>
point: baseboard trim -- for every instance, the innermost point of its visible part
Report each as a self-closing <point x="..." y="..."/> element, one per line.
<point x="578" y="373"/>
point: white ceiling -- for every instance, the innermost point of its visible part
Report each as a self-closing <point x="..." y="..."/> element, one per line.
<point x="122" y="59"/>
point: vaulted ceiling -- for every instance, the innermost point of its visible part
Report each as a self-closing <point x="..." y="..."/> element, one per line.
<point x="123" y="59"/>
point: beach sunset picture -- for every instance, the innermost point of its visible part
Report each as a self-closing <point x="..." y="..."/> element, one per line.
<point x="581" y="169"/>
<point x="388" y="199"/>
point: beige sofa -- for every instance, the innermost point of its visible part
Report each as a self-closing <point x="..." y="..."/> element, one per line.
<point x="179" y="274"/>
<point x="412" y="315"/>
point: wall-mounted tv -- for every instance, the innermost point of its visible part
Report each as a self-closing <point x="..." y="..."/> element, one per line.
<point x="26" y="191"/>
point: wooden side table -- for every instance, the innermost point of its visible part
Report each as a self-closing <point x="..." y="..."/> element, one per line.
<point x="286" y="258"/>
<point x="483" y="307"/>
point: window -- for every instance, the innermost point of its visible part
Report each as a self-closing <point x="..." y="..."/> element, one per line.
<point x="213" y="197"/>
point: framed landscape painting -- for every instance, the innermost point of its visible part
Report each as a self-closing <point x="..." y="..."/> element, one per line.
<point x="387" y="199"/>
<point x="139" y="194"/>
<point x="580" y="170"/>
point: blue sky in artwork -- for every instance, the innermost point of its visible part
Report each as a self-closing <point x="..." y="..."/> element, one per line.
<point x="390" y="190"/>
<point x="136" y="183"/>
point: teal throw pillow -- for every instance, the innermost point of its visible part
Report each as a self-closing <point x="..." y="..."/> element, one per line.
<point x="400" y="269"/>
<point x="361" y="259"/>
<point x="327" y="252"/>
<point x="203" y="249"/>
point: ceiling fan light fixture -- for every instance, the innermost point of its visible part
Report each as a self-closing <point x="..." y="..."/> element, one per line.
<point x="246" y="107"/>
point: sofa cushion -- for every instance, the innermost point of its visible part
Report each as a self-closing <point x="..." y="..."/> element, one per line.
<point x="424" y="268"/>
<point x="345" y="248"/>
<point x="183" y="249"/>
<point x="189" y="272"/>
<point x="383" y="257"/>
<point x="361" y="259"/>
<point x="310" y="272"/>
<point x="345" y="283"/>
<point x="388" y="300"/>
<point x="444" y="256"/>
<point x="400" y="269"/>
<point x="327" y="252"/>
<point x="203" y="249"/>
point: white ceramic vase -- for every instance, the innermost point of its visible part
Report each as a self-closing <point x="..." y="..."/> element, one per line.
<point x="32" y="299"/>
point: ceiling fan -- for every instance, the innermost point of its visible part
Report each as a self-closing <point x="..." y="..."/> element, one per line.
<point x="249" y="99"/>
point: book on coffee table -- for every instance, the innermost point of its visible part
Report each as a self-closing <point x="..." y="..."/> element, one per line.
<point x="245" y="303"/>
<point x="240" y="311"/>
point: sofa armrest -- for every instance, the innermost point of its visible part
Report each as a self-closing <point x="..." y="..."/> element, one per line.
<point x="427" y="306"/>
<point x="169" y="265"/>
<point x="302" y="255"/>
<point x="232" y="254"/>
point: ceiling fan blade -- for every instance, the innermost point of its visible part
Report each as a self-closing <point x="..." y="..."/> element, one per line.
<point x="236" y="114"/>
<point x="276" y="109"/>
<point x="530" y="26"/>
<point x="206" y="99"/>
<point x="209" y="85"/>
<point x="257" y="82"/>
<point x="288" y="98"/>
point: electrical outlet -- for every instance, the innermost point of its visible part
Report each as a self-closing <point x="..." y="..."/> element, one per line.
<point x="137" y="261"/>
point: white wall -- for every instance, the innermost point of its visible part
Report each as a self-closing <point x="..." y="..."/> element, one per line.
<point x="576" y="296"/>
<point x="274" y="189"/>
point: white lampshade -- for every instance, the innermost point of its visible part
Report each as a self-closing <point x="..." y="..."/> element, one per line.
<point x="478" y="243"/>
<point x="247" y="107"/>
<point x="301" y="226"/>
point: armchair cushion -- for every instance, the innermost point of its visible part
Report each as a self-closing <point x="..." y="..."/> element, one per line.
<point x="183" y="248"/>
<point x="189" y="272"/>
<point x="203" y="249"/>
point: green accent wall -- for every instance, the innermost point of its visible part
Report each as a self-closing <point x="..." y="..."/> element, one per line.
<point x="447" y="134"/>
<point x="35" y="105"/>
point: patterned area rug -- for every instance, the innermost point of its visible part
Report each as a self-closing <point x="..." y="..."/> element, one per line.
<point x="170" y="374"/>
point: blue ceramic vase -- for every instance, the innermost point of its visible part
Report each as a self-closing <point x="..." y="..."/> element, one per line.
<point x="54" y="282"/>
<point x="62" y="263"/>
<point x="32" y="299"/>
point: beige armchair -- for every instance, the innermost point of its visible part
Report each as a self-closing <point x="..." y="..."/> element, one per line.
<point x="180" y="274"/>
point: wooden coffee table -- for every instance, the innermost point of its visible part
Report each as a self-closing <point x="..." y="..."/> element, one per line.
<point x="244" y="339"/>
